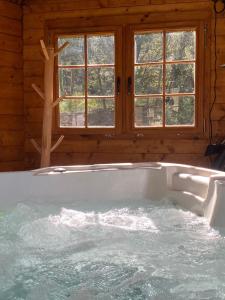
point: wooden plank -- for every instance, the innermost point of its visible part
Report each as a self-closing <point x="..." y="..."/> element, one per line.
<point x="32" y="161"/>
<point x="32" y="53"/>
<point x="70" y="159"/>
<point x="37" y="24"/>
<point x="113" y="2"/>
<point x="111" y="5"/>
<point x="173" y="1"/>
<point x="33" y="129"/>
<point x="11" y="107"/>
<point x="33" y="114"/>
<point x="10" y="43"/>
<point x="12" y="166"/>
<point x="131" y="146"/>
<point x="11" y="138"/>
<point x="10" y="59"/>
<point x="78" y="158"/>
<point x="11" y="88"/>
<point x="10" y="26"/>
<point x="134" y="146"/>
<point x="220" y="26"/>
<point x="220" y="78"/>
<point x="10" y="91"/>
<point x="33" y="36"/>
<point x="33" y="69"/>
<point x="11" y="153"/>
<point x="11" y="76"/>
<point x="15" y="123"/>
<point x="10" y="10"/>
<point x="149" y="14"/>
<point x="32" y="100"/>
<point x="219" y="128"/>
<point x="79" y="5"/>
<point x="218" y="112"/>
<point x="220" y="94"/>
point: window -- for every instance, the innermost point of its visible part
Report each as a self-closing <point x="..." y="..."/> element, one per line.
<point x="86" y="72"/>
<point x="131" y="79"/>
<point x="164" y="75"/>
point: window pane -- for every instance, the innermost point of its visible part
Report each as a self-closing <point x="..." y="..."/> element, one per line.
<point x="101" y="49"/>
<point x="148" y="80"/>
<point x="180" y="78"/>
<point x="101" y="112"/>
<point x="71" y="82"/>
<point x="148" y="47"/>
<point x="73" y="54"/>
<point x="72" y="113"/>
<point x="101" y="81"/>
<point x="180" y="45"/>
<point x="180" y="110"/>
<point x="148" y="112"/>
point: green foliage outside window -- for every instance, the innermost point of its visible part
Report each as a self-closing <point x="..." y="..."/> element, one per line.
<point x="150" y="59"/>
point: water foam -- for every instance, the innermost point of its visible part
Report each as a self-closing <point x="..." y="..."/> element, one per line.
<point x="148" y="251"/>
<point x="118" y="218"/>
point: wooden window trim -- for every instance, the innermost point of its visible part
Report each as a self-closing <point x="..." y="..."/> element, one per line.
<point x="124" y="109"/>
<point x="184" y="131"/>
<point x="118" y="73"/>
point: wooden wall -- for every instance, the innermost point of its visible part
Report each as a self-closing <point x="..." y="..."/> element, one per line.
<point x="11" y="88"/>
<point x="85" y="150"/>
<point x="218" y="112"/>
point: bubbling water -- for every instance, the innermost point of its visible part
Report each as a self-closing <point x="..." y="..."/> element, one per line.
<point x="145" y="250"/>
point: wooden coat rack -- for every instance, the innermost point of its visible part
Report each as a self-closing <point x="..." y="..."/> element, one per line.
<point x="46" y="146"/>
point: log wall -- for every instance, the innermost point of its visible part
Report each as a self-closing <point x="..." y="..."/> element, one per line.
<point x="11" y="88"/>
<point x="84" y="150"/>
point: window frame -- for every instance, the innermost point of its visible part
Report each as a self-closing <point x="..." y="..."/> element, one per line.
<point x="124" y="110"/>
<point x="199" y="127"/>
<point x="118" y="73"/>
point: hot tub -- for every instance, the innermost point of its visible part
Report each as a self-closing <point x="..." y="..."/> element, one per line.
<point x="115" y="231"/>
<point x="196" y="189"/>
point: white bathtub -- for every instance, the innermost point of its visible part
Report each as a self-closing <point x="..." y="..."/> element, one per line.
<point x="199" y="190"/>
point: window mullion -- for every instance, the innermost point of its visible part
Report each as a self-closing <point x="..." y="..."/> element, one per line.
<point x="164" y="78"/>
<point x="86" y="81"/>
